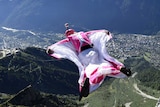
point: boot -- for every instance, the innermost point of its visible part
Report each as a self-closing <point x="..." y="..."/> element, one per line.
<point x="85" y="89"/>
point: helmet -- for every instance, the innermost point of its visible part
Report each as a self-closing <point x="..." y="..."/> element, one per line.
<point x="69" y="32"/>
<point x="66" y="25"/>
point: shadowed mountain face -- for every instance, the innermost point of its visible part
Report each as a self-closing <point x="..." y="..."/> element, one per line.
<point x="123" y="16"/>
<point x="33" y="66"/>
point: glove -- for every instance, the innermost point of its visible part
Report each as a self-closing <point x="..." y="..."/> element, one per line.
<point x="126" y="71"/>
<point x="49" y="51"/>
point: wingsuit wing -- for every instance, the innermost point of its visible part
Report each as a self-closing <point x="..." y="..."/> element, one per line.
<point x="64" y="49"/>
<point x="99" y="38"/>
<point x="98" y="72"/>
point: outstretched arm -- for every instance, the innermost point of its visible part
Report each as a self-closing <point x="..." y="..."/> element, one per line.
<point x="99" y="39"/>
<point x="64" y="49"/>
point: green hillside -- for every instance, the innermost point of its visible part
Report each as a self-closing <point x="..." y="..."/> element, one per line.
<point x="123" y="92"/>
<point x="33" y="66"/>
<point x="56" y="82"/>
<point x="119" y="93"/>
<point x="147" y="73"/>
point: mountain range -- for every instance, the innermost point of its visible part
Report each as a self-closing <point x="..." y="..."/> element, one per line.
<point x="121" y="16"/>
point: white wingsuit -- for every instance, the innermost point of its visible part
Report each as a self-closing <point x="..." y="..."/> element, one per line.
<point x="93" y="61"/>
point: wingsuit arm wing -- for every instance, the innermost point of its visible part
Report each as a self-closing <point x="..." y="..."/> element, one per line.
<point x="64" y="49"/>
<point x="99" y="39"/>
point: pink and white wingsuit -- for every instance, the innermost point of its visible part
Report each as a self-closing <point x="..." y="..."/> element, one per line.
<point x="93" y="63"/>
